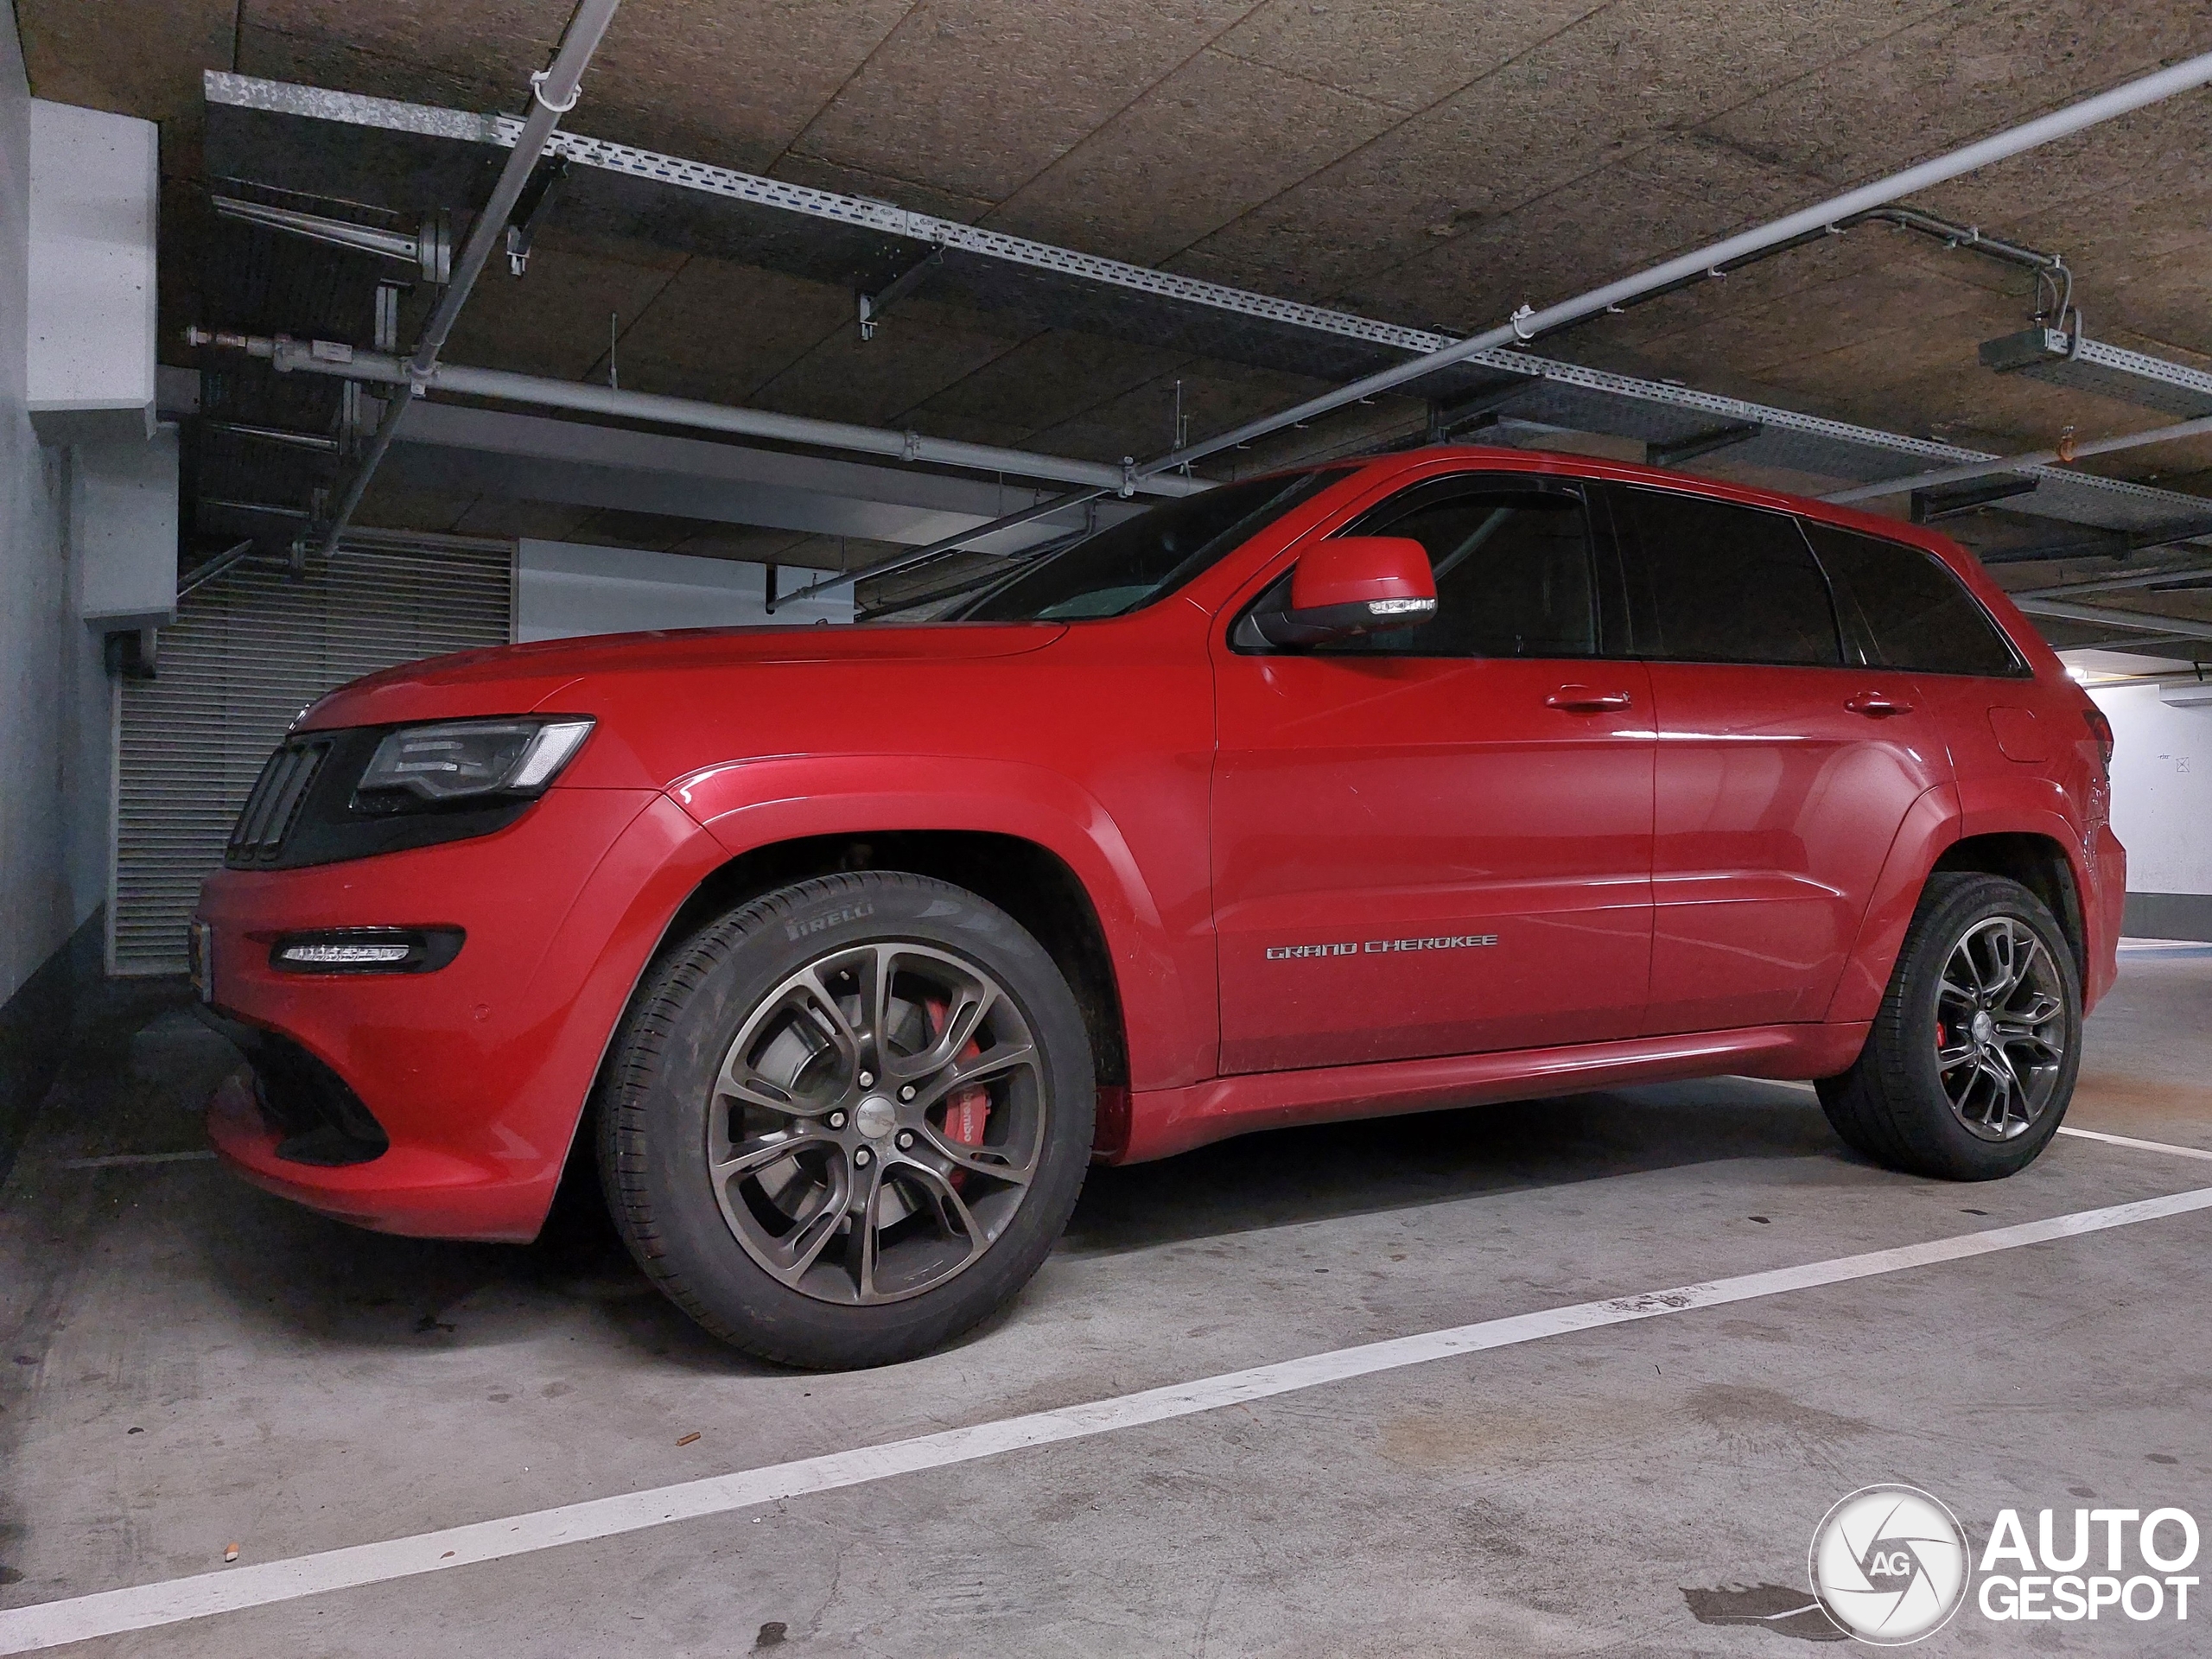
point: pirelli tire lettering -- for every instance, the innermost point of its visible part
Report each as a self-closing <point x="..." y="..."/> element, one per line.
<point x="1381" y="947"/>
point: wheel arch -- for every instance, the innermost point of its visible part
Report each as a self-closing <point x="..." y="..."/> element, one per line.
<point x="1934" y="837"/>
<point x="1026" y="879"/>
<point x="2039" y="864"/>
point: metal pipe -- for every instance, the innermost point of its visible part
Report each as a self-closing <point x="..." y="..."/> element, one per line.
<point x="553" y="92"/>
<point x="1526" y="322"/>
<point x="208" y="569"/>
<point x="2036" y="462"/>
<point x="907" y="561"/>
<point x="344" y="362"/>
<point x="2180" y="575"/>
<point x="2104" y="616"/>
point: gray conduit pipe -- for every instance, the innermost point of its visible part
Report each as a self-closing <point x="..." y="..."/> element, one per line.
<point x="348" y="363"/>
<point x="1527" y="323"/>
<point x="553" y="92"/>
<point x="2035" y="461"/>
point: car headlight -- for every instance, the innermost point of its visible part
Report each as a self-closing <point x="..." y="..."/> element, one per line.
<point x="464" y="759"/>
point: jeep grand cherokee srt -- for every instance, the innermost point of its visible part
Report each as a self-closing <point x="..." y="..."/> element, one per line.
<point x="1446" y="776"/>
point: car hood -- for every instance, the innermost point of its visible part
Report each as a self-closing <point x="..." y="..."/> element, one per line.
<point x="517" y="679"/>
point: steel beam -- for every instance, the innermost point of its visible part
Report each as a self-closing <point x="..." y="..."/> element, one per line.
<point x="463" y="447"/>
<point x="346" y="363"/>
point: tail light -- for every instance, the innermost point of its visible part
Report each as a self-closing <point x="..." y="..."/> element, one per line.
<point x="2100" y="728"/>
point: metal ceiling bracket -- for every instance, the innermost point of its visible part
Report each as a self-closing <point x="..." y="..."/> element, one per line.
<point x="1702" y="443"/>
<point x="1445" y="419"/>
<point x="530" y="208"/>
<point x="2083" y="364"/>
<point x="873" y="306"/>
<point x="1932" y="507"/>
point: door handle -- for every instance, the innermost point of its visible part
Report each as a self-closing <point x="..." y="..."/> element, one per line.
<point x="1875" y="706"/>
<point x="1581" y="700"/>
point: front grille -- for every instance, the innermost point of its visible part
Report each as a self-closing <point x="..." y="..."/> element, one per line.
<point x="273" y="806"/>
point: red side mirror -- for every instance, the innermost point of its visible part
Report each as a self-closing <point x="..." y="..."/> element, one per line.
<point x="1357" y="584"/>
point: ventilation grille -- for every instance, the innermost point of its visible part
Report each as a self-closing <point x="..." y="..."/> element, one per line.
<point x="247" y="652"/>
<point x="277" y="796"/>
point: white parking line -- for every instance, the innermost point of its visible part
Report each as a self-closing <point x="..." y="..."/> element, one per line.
<point x="110" y="1612"/>
<point x="2140" y="1145"/>
<point x="122" y="1159"/>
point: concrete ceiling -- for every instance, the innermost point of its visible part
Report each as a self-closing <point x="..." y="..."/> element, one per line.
<point x="1417" y="161"/>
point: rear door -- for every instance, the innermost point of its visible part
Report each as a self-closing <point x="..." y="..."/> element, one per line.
<point x="1438" y="840"/>
<point x="1783" y="771"/>
<point x="1902" y="608"/>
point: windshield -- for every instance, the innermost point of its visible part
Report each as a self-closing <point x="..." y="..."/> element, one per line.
<point x="1129" y="565"/>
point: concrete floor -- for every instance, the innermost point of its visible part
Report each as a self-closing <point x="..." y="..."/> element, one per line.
<point x="195" y="1365"/>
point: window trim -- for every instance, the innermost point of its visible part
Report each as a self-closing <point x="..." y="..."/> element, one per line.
<point x="1607" y="596"/>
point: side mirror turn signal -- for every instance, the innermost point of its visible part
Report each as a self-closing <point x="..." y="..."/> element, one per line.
<point x="1350" y="585"/>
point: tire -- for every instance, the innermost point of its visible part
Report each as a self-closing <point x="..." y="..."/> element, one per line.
<point x="1940" y="1091"/>
<point x="857" y="1223"/>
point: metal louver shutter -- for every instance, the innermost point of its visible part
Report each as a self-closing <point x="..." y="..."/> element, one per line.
<point x="246" y="653"/>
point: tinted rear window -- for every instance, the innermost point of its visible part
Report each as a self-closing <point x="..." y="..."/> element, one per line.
<point x="1901" y="608"/>
<point x="1723" y="583"/>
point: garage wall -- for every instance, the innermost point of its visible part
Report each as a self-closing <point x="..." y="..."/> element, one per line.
<point x="2162" y="809"/>
<point x="53" y="697"/>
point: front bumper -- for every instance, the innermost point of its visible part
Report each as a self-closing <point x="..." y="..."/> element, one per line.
<point x="476" y="1074"/>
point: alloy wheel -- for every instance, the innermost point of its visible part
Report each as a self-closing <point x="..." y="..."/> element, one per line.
<point x="876" y="1122"/>
<point x="2000" y="1028"/>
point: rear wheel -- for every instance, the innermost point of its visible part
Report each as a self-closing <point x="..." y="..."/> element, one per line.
<point x="847" y="1121"/>
<point x="1970" y="1066"/>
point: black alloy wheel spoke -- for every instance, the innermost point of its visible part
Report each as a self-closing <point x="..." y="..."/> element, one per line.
<point x="844" y="1144"/>
<point x="2000" y="1022"/>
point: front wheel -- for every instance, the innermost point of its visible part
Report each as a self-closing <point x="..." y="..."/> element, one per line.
<point x="848" y="1120"/>
<point x="1970" y="1066"/>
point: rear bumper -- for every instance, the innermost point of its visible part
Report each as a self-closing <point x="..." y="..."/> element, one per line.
<point x="476" y="1074"/>
<point x="2104" y="905"/>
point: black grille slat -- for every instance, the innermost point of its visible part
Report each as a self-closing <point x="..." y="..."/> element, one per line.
<point x="273" y="806"/>
<point x="257" y="802"/>
<point x="286" y="810"/>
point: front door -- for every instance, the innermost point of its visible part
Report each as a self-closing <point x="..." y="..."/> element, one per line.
<point x="1784" y="769"/>
<point x="1437" y="840"/>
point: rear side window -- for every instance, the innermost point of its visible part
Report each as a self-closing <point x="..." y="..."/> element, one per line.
<point x="1723" y="583"/>
<point x="1512" y="570"/>
<point x="1901" y="607"/>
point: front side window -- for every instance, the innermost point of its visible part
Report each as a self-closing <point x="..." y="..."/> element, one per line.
<point x="1511" y="563"/>
<point x="1127" y="566"/>
<point x="1723" y="583"/>
<point x="1901" y="608"/>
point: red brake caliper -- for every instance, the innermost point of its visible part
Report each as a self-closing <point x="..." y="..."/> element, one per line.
<point x="966" y="1110"/>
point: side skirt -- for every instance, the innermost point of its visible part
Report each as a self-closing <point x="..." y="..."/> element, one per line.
<point x="1164" y="1122"/>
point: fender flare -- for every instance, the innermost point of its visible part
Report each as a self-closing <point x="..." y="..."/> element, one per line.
<point x="1161" y="953"/>
<point x="1933" y="824"/>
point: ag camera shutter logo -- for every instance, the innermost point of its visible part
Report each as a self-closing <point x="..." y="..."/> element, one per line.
<point x="1890" y="1565"/>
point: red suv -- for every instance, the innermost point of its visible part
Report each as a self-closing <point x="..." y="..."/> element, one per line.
<point x="1445" y="777"/>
